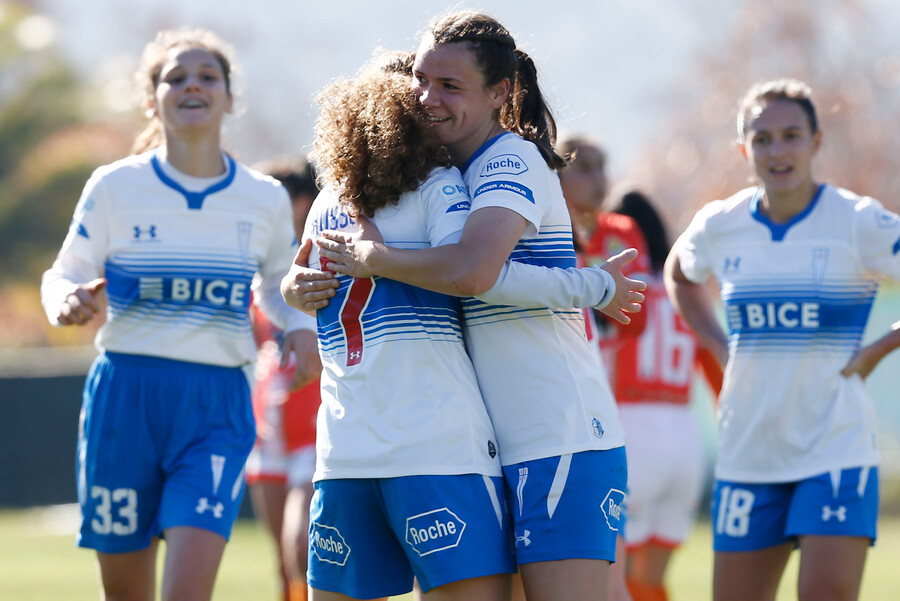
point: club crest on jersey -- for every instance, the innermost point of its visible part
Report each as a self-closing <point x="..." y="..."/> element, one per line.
<point x="492" y="450"/>
<point x="613" y="507"/>
<point x="144" y="234"/>
<point x="434" y="531"/>
<point x="328" y="544"/>
<point x="597" y="428"/>
<point x="504" y="164"/>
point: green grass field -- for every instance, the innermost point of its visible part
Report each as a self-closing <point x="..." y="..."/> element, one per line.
<point x="38" y="561"/>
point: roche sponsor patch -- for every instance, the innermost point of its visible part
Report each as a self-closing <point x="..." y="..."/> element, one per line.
<point x="504" y="164"/>
<point x="434" y="531"/>
<point x="613" y="508"/>
<point x="328" y="544"/>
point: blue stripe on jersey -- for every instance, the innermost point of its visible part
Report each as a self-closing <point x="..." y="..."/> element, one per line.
<point x="394" y="312"/>
<point x="480" y="313"/>
<point x="896" y="247"/>
<point x="789" y="316"/>
<point x="178" y="288"/>
<point x="195" y="199"/>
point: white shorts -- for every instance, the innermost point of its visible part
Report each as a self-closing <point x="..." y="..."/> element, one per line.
<point x="665" y="472"/>
<point x="268" y="464"/>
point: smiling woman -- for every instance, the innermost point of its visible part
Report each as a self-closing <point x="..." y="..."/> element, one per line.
<point x="798" y="264"/>
<point x="175" y="234"/>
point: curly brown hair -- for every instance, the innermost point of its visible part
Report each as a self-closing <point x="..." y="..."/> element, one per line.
<point x="372" y="141"/>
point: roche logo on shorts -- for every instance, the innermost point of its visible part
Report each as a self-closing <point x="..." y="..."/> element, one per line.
<point x="613" y="508"/>
<point x="434" y="531"/>
<point x="328" y="544"/>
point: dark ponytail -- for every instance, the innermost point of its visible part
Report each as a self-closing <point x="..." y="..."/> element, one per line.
<point x="525" y="112"/>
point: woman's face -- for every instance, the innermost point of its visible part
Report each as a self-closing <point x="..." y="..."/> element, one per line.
<point x="457" y="103"/>
<point x="779" y="145"/>
<point x="584" y="180"/>
<point x="191" y="96"/>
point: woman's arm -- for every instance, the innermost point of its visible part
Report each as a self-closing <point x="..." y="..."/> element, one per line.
<point x="477" y="266"/>
<point x="693" y="302"/>
<point x="868" y="357"/>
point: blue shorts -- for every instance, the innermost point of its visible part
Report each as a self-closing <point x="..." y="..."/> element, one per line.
<point x="569" y="506"/>
<point x="369" y="537"/>
<point x="161" y="443"/>
<point x="748" y="517"/>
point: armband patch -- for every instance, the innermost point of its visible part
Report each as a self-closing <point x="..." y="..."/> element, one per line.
<point x="508" y="186"/>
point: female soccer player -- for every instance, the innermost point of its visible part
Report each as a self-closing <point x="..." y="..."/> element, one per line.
<point x="285" y="402"/>
<point x="651" y="378"/>
<point x="407" y="479"/>
<point x="798" y="264"/>
<point x="174" y="233"/>
<point x="560" y="441"/>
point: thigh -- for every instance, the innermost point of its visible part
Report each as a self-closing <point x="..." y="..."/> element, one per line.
<point x="192" y="560"/>
<point x="129" y="575"/>
<point x="749" y="575"/>
<point x="566" y="580"/>
<point x="831" y="567"/>
<point x="454" y="528"/>
<point x="569" y="506"/>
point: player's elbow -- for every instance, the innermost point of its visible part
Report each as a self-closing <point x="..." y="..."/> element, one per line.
<point x="474" y="281"/>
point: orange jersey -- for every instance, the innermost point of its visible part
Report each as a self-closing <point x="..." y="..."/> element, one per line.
<point x="614" y="234"/>
<point x="297" y="409"/>
<point x="657" y="366"/>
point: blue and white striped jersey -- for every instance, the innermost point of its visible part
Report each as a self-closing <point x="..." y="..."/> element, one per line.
<point x="797" y="297"/>
<point x="546" y="392"/>
<point x="399" y="394"/>
<point x="179" y="254"/>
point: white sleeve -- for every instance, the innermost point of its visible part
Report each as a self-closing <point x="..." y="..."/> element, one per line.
<point x="83" y="253"/>
<point x="282" y="249"/>
<point x="445" y="203"/>
<point x="878" y="238"/>
<point x="693" y="245"/>
<point x="531" y="286"/>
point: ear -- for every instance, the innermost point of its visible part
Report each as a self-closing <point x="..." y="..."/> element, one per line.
<point x="817" y="141"/>
<point x="499" y="92"/>
<point x="742" y="147"/>
<point x="151" y="110"/>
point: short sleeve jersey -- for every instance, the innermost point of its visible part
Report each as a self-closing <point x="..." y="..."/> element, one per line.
<point x="797" y="297"/>
<point x="545" y="389"/>
<point x="179" y="254"/>
<point x="399" y="393"/>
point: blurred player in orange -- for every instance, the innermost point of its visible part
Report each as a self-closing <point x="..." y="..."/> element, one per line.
<point x="285" y="402"/>
<point x="651" y="380"/>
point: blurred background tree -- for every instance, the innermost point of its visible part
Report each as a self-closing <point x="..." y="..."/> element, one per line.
<point x="841" y="49"/>
<point x="48" y="149"/>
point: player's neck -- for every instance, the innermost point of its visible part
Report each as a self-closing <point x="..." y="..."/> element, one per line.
<point x="782" y="206"/>
<point x="196" y="157"/>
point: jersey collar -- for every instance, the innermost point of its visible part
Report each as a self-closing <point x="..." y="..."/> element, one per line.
<point x="482" y="150"/>
<point x="779" y="230"/>
<point x="195" y="199"/>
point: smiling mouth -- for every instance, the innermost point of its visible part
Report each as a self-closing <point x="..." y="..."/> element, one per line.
<point x="192" y="104"/>
<point x="433" y="119"/>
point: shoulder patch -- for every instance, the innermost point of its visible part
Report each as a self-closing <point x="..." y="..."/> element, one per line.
<point x="80" y="229"/>
<point x="886" y="219"/>
<point x="504" y="164"/>
<point x="462" y="205"/>
<point x="451" y="190"/>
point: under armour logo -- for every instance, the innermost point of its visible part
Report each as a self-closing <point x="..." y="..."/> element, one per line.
<point x="524" y="538"/>
<point x="840" y="513"/>
<point x="355" y="355"/>
<point x="150" y="231"/>
<point x="217" y="509"/>
<point x="731" y="264"/>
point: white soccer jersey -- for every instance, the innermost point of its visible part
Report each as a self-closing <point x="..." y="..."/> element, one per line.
<point x="399" y="394"/>
<point x="179" y="254"/>
<point x="546" y="392"/>
<point x="797" y="297"/>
